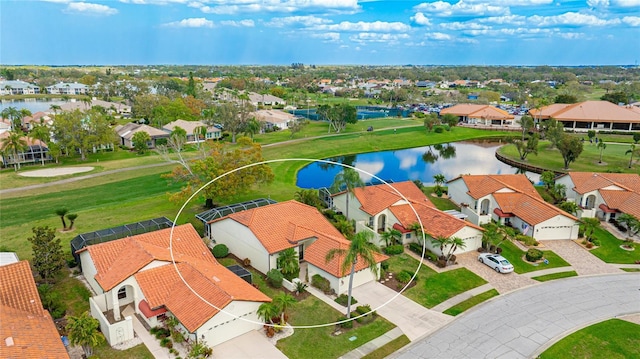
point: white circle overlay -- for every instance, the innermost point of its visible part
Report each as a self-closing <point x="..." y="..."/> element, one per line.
<point x="296" y="160"/>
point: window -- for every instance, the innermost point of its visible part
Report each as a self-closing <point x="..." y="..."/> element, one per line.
<point x="122" y="293"/>
<point x="408" y="236"/>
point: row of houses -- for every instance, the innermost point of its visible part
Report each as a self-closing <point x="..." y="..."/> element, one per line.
<point x="18" y="87"/>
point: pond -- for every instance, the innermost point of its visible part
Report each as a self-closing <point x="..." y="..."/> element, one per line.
<point x="422" y="163"/>
<point x="32" y="104"/>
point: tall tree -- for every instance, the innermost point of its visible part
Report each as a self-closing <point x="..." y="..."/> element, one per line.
<point x="288" y="263"/>
<point x="526" y="146"/>
<point x="72" y="219"/>
<point x="253" y="127"/>
<point x="191" y="85"/>
<point x="553" y="131"/>
<point x="570" y="147"/>
<point x="360" y="248"/>
<point x="454" y="244"/>
<point x="48" y="258"/>
<point x="14" y="143"/>
<point x="589" y="226"/>
<point x="439" y="180"/>
<point x="83" y="331"/>
<point x="283" y="301"/>
<point x="632" y="151"/>
<point x="338" y="115"/>
<point x="83" y="131"/>
<point x="602" y="146"/>
<point x="347" y="180"/>
<point x="140" y="140"/>
<point x="41" y="133"/>
<point x="391" y="237"/>
<point x="62" y="212"/>
<point x="14" y="116"/>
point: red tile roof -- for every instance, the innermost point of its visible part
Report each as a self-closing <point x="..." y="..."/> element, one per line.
<point x="374" y="199"/>
<point x="588" y="111"/>
<point x="589" y="181"/>
<point x="435" y="222"/>
<point x="26" y="329"/>
<point x="477" y="111"/>
<point x="316" y="254"/>
<point x="482" y="185"/>
<point x="623" y="201"/>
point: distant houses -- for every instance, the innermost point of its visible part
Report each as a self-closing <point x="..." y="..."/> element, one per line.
<point x="479" y="114"/>
<point x="212" y="132"/>
<point x="126" y="133"/>
<point x="17" y="87"/>
<point x="68" y="88"/>
<point x="34" y="152"/>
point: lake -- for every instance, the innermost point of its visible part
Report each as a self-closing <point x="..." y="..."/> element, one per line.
<point x="420" y="163"/>
<point x="32" y="104"/>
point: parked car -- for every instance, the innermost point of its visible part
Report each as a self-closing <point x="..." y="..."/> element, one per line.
<point x="499" y="263"/>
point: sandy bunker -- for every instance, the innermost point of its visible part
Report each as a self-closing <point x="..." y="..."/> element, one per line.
<point x="53" y="172"/>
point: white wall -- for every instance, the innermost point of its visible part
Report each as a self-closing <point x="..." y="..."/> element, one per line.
<point x="241" y="318"/>
<point x="89" y="271"/>
<point x="341" y="285"/>
<point x="558" y="227"/>
<point x="241" y="242"/>
<point x="116" y="333"/>
<point x="458" y="192"/>
<point x="355" y="213"/>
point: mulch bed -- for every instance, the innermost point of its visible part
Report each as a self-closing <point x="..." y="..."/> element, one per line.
<point x="394" y="284"/>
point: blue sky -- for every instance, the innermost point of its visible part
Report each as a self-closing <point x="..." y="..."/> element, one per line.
<point x="321" y="32"/>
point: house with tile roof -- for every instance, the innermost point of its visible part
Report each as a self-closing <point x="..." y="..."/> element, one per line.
<point x="26" y="328"/>
<point x="511" y="200"/>
<point x="127" y="131"/>
<point x="603" y="195"/>
<point x="137" y="275"/>
<point x="590" y="115"/>
<point x="380" y="208"/>
<point x="260" y="234"/>
<point x="32" y="153"/>
<point x="479" y="114"/>
<point x="213" y="133"/>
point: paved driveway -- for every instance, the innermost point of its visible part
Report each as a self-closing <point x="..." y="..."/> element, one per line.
<point x="583" y="262"/>
<point x="248" y="346"/>
<point x="503" y="283"/>
<point x="520" y="324"/>
<point x="413" y="319"/>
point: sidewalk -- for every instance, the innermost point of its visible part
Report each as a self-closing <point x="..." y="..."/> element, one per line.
<point x="373" y="345"/>
<point x="462" y="297"/>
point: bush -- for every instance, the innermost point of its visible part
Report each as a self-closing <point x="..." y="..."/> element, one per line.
<point x="394" y="249"/>
<point x="343" y="298"/>
<point x="166" y="343"/>
<point x="162" y="333"/>
<point x="363" y="309"/>
<point x="446" y="127"/>
<point x="596" y="242"/>
<point x="220" y="251"/>
<point x="405" y="276"/>
<point x="534" y="254"/>
<point x="415" y="248"/>
<point x="274" y="278"/>
<point x="71" y="263"/>
<point x="529" y="241"/>
<point x="384" y="265"/>
<point x="321" y="283"/>
<point x="589" y="245"/>
<point x="347" y="325"/>
<point x="438" y="129"/>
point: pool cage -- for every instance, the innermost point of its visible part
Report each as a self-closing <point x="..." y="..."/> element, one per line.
<point x="241" y="272"/>
<point x="219" y="212"/>
<point x="326" y="193"/>
<point x="110" y="234"/>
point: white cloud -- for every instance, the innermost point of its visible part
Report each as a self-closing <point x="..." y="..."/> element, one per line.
<point x="631" y="20"/>
<point x="438" y="36"/>
<point x="627" y="3"/>
<point x="377" y="37"/>
<point x="597" y="3"/>
<point x="328" y="36"/>
<point x="571" y="35"/>
<point x="420" y="19"/>
<point x="571" y="19"/>
<point x="153" y="2"/>
<point x="191" y="22"/>
<point x="286" y="6"/>
<point x="506" y="19"/>
<point x="240" y="23"/>
<point x="376" y="26"/>
<point x="463" y="26"/>
<point x="514" y="2"/>
<point x="90" y="9"/>
<point x="441" y="8"/>
<point x="308" y="20"/>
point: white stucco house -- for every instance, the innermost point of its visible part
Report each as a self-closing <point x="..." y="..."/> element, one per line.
<point x="260" y="234"/>
<point x="213" y="133"/>
<point x="511" y="200"/>
<point x="603" y="195"/>
<point x="382" y="207"/>
<point x="136" y="275"/>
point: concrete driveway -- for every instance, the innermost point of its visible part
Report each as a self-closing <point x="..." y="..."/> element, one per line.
<point x="413" y="319"/>
<point x="502" y="282"/>
<point x="247" y="346"/>
<point x="521" y="324"/>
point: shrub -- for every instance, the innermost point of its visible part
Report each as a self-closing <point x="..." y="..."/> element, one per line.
<point x="166" y="343"/>
<point x="343" y="298"/>
<point x="446" y="127"/>
<point x="220" y="250"/>
<point x="321" y="283"/>
<point x="363" y="309"/>
<point x="301" y="287"/>
<point x="384" y="265"/>
<point x="274" y="278"/>
<point x="347" y="324"/>
<point x="394" y="249"/>
<point x="589" y="245"/>
<point x="529" y="241"/>
<point x="403" y="277"/>
<point x="438" y="129"/>
<point x="596" y="242"/>
<point x="439" y="191"/>
<point x="71" y="263"/>
<point x="162" y="333"/>
<point x="415" y="248"/>
<point x="534" y="254"/>
<point x="246" y="262"/>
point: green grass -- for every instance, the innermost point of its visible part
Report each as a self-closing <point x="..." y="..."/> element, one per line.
<point x="631" y="269"/>
<point x="610" y="339"/>
<point x="319" y="342"/>
<point x="442" y="204"/>
<point x="520" y="265"/>
<point x="548" y="277"/>
<point x="432" y="287"/>
<point x="610" y="251"/>
<point x="104" y="351"/>
<point x="388" y="348"/>
<point x="613" y="158"/>
<point x="73" y="293"/>
<point x="471" y="302"/>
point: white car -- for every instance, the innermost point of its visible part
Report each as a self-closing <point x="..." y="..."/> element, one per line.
<point x="499" y="263"/>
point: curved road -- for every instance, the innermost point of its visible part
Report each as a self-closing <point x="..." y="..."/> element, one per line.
<point x="522" y="323"/>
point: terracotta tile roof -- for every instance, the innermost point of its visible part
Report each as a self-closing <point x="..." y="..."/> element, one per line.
<point x="317" y="252"/>
<point x="623" y="201"/>
<point x="117" y="260"/>
<point x="436" y="223"/>
<point x="589" y="111"/>
<point x="530" y="209"/>
<point x="477" y="111"/>
<point x="30" y="141"/>
<point x="162" y="286"/>
<point x="482" y="185"/>
<point x="282" y="225"/>
<point x="26" y="329"/>
<point x="374" y="199"/>
<point x="589" y="181"/>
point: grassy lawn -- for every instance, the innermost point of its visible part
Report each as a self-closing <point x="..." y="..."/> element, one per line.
<point x="73" y="293"/>
<point x="613" y="158"/>
<point x="432" y="287"/>
<point x="610" y="251"/>
<point x="515" y="254"/>
<point x="610" y="339"/>
<point x="442" y="204"/>
<point x="388" y="348"/>
<point x="104" y="351"/>
<point x="631" y="269"/>
<point x="319" y="342"/>
<point x="548" y="277"/>
<point x="471" y="302"/>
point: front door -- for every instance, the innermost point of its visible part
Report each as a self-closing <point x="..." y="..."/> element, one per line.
<point x="301" y="252"/>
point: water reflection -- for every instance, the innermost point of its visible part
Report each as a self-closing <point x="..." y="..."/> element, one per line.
<point x="451" y="160"/>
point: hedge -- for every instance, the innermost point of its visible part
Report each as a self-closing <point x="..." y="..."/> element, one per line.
<point x="220" y="250"/>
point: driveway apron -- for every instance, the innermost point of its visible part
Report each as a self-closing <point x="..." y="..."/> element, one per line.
<point x="502" y="282"/>
<point x="583" y="262"/>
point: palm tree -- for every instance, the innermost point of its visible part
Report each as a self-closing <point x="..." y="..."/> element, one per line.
<point x="348" y="179"/>
<point x="288" y="263"/>
<point x="628" y="220"/>
<point x="267" y="311"/>
<point x="86" y="101"/>
<point x="283" y="301"/>
<point x="589" y="226"/>
<point x="62" y="212"/>
<point x="72" y="218"/>
<point x="55" y="109"/>
<point x="252" y="127"/>
<point x="309" y="197"/>
<point x="13" y="115"/>
<point x="83" y="330"/>
<point x="441" y="242"/>
<point x="631" y="151"/>
<point x="391" y="237"/>
<point x="200" y="134"/>
<point x="455" y="243"/>
<point x="417" y="229"/>
<point x="43" y="134"/>
<point x="13" y="144"/>
<point x="602" y="146"/>
<point x="360" y="248"/>
<point x="439" y="179"/>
